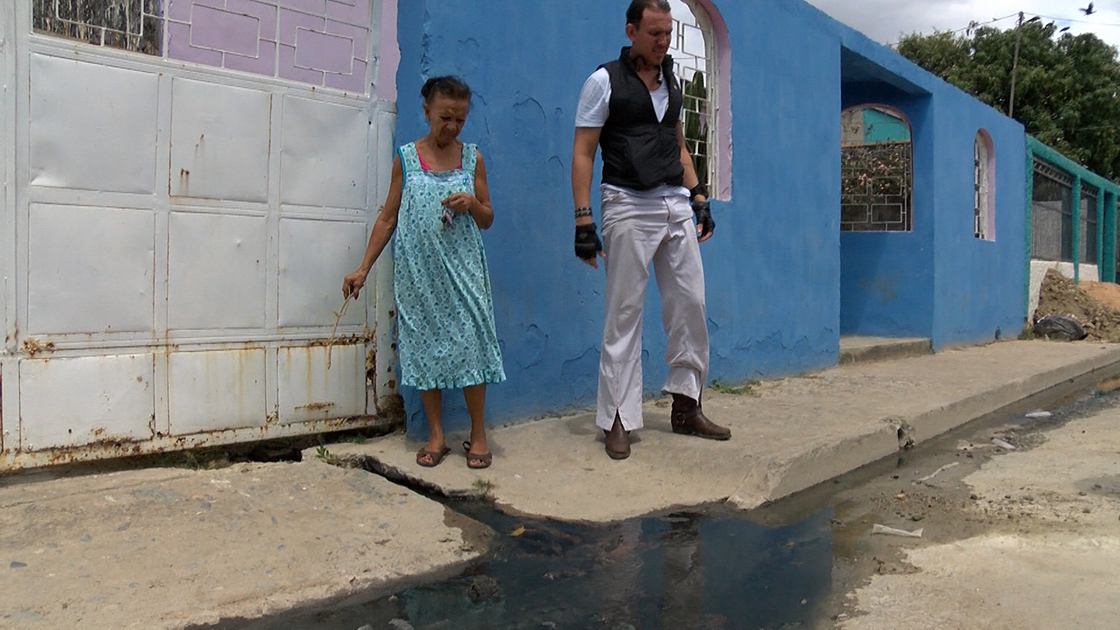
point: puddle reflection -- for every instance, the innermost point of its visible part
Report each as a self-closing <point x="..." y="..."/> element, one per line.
<point x="703" y="570"/>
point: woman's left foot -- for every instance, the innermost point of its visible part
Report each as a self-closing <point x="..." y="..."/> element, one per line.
<point x="476" y="461"/>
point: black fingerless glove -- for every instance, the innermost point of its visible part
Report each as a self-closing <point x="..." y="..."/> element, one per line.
<point x="703" y="212"/>
<point x="588" y="244"/>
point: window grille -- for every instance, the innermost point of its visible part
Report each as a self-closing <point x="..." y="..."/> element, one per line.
<point x="876" y="188"/>
<point x="135" y="25"/>
<point x="1087" y="248"/>
<point x="1051" y="213"/>
<point x="981" y="193"/>
<point x="876" y="171"/>
<point x="694" y="62"/>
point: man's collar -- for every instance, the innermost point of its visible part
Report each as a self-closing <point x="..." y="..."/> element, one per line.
<point x="663" y="70"/>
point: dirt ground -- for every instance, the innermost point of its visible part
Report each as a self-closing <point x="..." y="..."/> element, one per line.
<point x="1011" y="534"/>
<point x="1106" y="293"/>
<point x="1095" y="305"/>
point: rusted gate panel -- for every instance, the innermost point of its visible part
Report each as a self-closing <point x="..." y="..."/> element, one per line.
<point x="174" y="242"/>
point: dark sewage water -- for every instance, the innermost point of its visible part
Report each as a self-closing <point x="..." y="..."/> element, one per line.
<point x="707" y="569"/>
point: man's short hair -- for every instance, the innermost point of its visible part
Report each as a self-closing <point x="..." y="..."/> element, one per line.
<point x="638" y="7"/>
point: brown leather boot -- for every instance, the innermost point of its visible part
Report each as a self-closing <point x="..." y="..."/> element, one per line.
<point x="688" y="418"/>
<point x="618" y="440"/>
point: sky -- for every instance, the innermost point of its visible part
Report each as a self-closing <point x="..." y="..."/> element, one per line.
<point x="885" y="20"/>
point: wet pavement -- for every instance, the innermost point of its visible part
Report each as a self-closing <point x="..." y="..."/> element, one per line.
<point x="711" y="567"/>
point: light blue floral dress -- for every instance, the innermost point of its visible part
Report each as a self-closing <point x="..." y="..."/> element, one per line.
<point x="445" y="313"/>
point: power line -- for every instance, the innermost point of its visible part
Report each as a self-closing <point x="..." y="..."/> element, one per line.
<point x="970" y="26"/>
<point x="1058" y="19"/>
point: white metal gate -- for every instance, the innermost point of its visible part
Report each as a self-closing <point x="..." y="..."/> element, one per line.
<point x="174" y="240"/>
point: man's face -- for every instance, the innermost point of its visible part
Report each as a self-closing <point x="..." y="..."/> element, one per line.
<point x="650" y="39"/>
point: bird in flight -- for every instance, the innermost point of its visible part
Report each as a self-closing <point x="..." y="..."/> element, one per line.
<point x="1087" y="10"/>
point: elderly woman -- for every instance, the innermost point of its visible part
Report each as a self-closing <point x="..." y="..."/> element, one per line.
<point x="437" y="204"/>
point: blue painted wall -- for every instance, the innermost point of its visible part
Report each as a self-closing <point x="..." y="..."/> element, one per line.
<point x="773" y="269"/>
<point x="887" y="278"/>
<point x="937" y="281"/>
<point x="978" y="284"/>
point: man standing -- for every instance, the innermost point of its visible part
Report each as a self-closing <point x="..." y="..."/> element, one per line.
<point x="631" y="108"/>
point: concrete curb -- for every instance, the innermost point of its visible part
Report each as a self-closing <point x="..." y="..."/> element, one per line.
<point x="790" y="434"/>
<point x="862" y="351"/>
<point x="1055" y="383"/>
<point x="774" y="480"/>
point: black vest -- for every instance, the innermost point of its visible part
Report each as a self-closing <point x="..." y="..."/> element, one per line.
<point x="639" y="152"/>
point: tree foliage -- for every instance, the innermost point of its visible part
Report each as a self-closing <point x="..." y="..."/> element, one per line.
<point x="1067" y="90"/>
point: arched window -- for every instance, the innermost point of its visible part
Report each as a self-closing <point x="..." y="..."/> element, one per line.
<point x="876" y="170"/>
<point x="983" y="187"/>
<point x="699" y="49"/>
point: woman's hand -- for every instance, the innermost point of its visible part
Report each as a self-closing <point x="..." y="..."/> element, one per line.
<point x="459" y="202"/>
<point x="353" y="283"/>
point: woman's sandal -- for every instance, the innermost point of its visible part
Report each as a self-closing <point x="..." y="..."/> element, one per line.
<point x="436" y="457"/>
<point x="477" y="462"/>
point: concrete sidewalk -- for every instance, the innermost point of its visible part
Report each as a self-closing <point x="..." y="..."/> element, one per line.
<point x="167" y="548"/>
<point x="788" y="435"/>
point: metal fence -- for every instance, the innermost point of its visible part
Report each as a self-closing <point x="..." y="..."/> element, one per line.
<point x="1051" y="213"/>
<point x="876" y="187"/>
<point x="1087" y="248"/>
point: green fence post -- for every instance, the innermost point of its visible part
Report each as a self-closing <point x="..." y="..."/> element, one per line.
<point x="1108" y="237"/>
<point x="1075" y="245"/>
<point x="1027" y="230"/>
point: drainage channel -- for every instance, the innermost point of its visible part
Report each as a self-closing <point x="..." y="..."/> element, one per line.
<point x="709" y="567"/>
<point x="787" y="565"/>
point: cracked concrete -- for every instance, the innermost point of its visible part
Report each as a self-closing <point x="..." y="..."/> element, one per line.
<point x="167" y="548"/>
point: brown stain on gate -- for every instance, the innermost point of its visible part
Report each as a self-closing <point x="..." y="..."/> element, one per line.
<point x="315" y="406"/>
<point x="33" y="346"/>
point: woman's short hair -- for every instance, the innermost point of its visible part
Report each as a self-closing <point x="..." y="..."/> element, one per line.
<point x="449" y="86"/>
<point x="638" y="7"/>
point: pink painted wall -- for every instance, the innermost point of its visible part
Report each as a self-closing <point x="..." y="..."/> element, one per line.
<point x="390" y="56"/>
<point x="320" y="42"/>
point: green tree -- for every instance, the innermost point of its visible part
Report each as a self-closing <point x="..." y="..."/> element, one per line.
<point x="1067" y="90"/>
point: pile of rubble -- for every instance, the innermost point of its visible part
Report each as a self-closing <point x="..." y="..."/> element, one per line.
<point x="1060" y="296"/>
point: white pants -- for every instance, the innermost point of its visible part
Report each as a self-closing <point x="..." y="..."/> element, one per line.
<point x="638" y="230"/>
